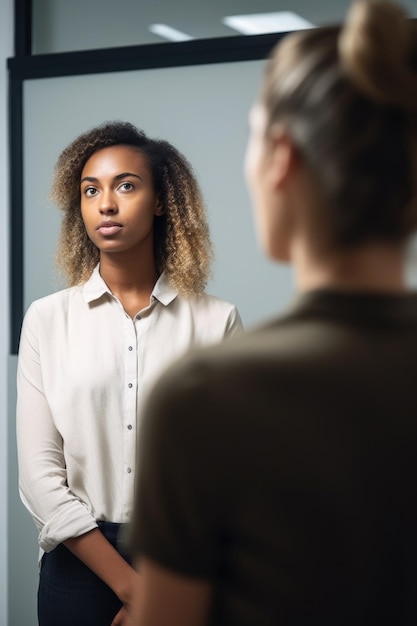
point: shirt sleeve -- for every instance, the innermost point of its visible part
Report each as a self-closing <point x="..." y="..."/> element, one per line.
<point x="234" y="325"/>
<point x="43" y="487"/>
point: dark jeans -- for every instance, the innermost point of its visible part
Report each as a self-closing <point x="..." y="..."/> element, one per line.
<point x="70" y="594"/>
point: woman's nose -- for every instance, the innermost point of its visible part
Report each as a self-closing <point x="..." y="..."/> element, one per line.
<point x="108" y="205"/>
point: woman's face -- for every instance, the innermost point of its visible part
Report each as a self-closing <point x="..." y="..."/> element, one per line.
<point x="118" y="200"/>
<point x="262" y="172"/>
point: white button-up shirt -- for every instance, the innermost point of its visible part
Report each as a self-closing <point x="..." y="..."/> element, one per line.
<point x="84" y="369"/>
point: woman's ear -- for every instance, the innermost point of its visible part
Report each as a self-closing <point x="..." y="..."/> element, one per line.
<point x="284" y="157"/>
<point x="159" y="209"/>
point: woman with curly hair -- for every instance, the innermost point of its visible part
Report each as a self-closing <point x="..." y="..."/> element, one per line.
<point x="135" y="247"/>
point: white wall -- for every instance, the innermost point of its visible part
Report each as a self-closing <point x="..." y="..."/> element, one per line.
<point x="6" y="50"/>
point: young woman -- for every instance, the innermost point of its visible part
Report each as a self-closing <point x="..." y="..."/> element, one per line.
<point x="291" y="500"/>
<point x="135" y="246"/>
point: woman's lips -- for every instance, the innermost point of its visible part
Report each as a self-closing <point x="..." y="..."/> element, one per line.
<point x="109" y="228"/>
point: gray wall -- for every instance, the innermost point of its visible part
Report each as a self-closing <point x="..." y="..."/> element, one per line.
<point x="57" y="21"/>
<point x="6" y="42"/>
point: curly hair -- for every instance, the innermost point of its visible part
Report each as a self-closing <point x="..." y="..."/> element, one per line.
<point x="182" y="244"/>
<point x="348" y="97"/>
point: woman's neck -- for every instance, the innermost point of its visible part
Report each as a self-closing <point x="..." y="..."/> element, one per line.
<point x="374" y="267"/>
<point x="130" y="279"/>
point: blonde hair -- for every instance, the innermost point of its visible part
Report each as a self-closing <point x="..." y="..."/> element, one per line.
<point x="376" y="47"/>
<point x="348" y="98"/>
<point x="183" y="249"/>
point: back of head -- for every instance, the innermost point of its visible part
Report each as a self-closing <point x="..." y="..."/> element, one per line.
<point x="348" y="98"/>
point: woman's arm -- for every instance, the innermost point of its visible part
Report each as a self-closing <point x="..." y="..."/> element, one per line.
<point x="102" y="558"/>
<point x="56" y="511"/>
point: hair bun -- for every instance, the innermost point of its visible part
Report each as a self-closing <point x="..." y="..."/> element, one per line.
<point x="378" y="49"/>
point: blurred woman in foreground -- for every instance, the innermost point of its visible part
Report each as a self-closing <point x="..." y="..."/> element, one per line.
<point x="283" y="492"/>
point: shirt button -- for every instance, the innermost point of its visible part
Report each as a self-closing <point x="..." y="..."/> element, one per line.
<point x="130" y="348"/>
<point x="129" y="469"/>
<point x="129" y="427"/>
<point x="130" y="385"/>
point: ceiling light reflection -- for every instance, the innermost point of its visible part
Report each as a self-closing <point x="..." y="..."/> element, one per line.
<point x="261" y="23"/>
<point x="167" y="32"/>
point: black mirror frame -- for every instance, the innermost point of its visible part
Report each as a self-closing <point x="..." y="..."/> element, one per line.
<point x="24" y="66"/>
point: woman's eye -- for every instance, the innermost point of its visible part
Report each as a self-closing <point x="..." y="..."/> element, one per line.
<point x="126" y="186"/>
<point x="90" y="191"/>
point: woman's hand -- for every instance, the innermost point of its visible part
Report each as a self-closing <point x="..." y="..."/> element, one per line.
<point x="129" y="596"/>
<point x="129" y="589"/>
<point x="122" y="618"/>
<point x="102" y="558"/>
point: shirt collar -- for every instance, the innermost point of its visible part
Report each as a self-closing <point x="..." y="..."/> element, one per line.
<point x="95" y="288"/>
<point x="163" y="291"/>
